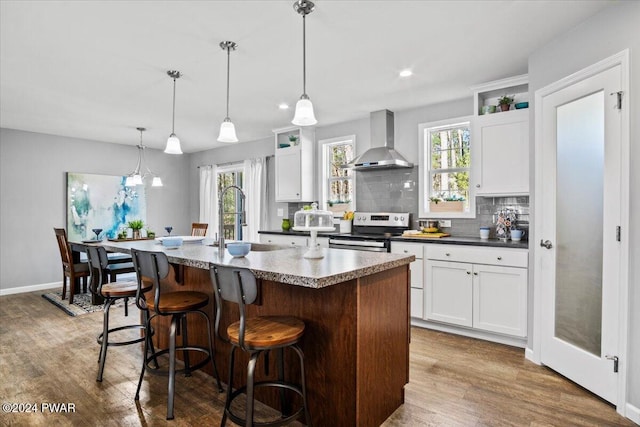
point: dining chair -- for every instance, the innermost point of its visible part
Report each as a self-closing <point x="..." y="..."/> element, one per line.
<point x="112" y="292"/>
<point x="153" y="267"/>
<point x="199" y="229"/>
<point x="70" y="269"/>
<point x="256" y="335"/>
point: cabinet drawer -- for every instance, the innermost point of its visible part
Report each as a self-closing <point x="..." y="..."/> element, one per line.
<point x="479" y="255"/>
<point x="415" y="249"/>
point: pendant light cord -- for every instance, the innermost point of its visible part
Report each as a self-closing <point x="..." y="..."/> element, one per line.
<point x="228" y="68"/>
<point x="304" y="55"/>
<point x="173" y="118"/>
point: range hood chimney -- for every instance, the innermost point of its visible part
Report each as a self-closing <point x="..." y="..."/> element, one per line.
<point x="381" y="155"/>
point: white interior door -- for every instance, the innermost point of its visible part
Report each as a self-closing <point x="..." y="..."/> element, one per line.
<point x="579" y="260"/>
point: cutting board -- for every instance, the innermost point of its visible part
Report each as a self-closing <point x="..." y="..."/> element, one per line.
<point x="426" y="235"/>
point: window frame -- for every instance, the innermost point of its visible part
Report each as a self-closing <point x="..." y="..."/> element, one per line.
<point x="238" y="168"/>
<point x="426" y="169"/>
<point x="323" y="147"/>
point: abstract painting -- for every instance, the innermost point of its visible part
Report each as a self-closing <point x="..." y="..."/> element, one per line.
<point x="101" y="201"/>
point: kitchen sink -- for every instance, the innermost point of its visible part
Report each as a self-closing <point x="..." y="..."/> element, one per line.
<point x="262" y="247"/>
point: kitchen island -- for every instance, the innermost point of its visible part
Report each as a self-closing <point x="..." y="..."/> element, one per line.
<point x="355" y="305"/>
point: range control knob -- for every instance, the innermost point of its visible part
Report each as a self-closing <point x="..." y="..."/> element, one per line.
<point x="401" y="218"/>
<point x="395" y="218"/>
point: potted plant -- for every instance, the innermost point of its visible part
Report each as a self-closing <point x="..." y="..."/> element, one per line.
<point x="151" y="234"/>
<point x="136" y="225"/>
<point x="293" y="139"/>
<point x="505" y="102"/>
<point x="451" y="203"/>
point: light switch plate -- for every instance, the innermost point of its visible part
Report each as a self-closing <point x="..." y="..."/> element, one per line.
<point x="444" y="223"/>
<point x="280" y="212"/>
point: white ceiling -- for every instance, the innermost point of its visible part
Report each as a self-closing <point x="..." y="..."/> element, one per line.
<point x="97" y="69"/>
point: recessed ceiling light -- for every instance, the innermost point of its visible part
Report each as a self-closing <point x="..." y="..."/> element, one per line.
<point x="283" y="106"/>
<point x="406" y="73"/>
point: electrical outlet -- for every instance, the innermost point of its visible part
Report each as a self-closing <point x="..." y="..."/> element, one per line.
<point x="280" y="212"/>
<point x="444" y="223"/>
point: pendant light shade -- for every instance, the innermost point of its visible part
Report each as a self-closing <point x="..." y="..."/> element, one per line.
<point x="136" y="177"/>
<point x="227" y="129"/>
<point x="304" y="115"/>
<point x="173" y="143"/>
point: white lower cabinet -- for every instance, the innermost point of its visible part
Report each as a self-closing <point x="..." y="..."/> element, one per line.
<point x="417" y="274"/>
<point x="480" y="288"/>
<point x="283" y="239"/>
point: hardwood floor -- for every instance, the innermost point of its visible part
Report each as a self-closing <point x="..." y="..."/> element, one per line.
<point x="48" y="356"/>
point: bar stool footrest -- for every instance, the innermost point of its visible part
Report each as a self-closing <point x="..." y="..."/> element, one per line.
<point x="122" y="328"/>
<point x="281" y="421"/>
<point x="158" y="371"/>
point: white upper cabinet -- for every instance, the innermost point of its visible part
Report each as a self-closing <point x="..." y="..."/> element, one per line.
<point x="500" y="148"/>
<point x="295" y="166"/>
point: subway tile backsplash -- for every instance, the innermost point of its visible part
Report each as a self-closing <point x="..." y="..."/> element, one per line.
<point x="387" y="190"/>
<point x="396" y="190"/>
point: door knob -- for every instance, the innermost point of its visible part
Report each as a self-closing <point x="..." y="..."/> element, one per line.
<point x="546" y="244"/>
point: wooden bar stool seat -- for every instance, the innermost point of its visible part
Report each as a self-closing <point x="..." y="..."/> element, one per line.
<point x="112" y="292"/>
<point x="267" y="332"/>
<point x="151" y="268"/>
<point x="177" y="302"/>
<point x="257" y="335"/>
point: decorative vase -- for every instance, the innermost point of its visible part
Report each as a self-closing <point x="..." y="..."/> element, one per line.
<point x="286" y="224"/>
<point x="136" y="234"/>
<point x="345" y="225"/>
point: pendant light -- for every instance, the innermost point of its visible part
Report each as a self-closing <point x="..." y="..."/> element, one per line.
<point x="173" y="143"/>
<point x="136" y="177"/>
<point x="304" y="115"/>
<point x="227" y="129"/>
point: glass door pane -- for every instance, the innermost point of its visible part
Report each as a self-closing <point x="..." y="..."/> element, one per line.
<point x="579" y="222"/>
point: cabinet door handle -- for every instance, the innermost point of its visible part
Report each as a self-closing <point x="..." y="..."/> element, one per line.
<point x="499" y="258"/>
<point x="406" y="251"/>
<point x="468" y="272"/>
<point x="477" y="185"/>
<point x="475" y="273"/>
<point x="447" y="254"/>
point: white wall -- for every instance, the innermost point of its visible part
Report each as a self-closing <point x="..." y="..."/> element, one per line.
<point x="33" y="191"/>
<point x="609" y="32"/>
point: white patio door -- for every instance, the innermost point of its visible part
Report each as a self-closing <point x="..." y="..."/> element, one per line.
<point x="578" y="259"/>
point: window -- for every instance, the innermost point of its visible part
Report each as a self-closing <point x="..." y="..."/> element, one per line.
<point x="445" y="177"/>
<point x="338" y="184"/>
<point x="231" y="175"/>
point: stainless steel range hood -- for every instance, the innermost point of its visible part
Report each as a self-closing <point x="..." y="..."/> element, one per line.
<point x="381" y="155"/>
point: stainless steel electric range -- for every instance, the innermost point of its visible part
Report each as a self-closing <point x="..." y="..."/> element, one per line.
<point x="372" y="231"/>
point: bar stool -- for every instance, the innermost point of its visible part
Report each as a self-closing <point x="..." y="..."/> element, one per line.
<point x="256" y="335"/>
<point x="152" y="267"/>
<point x="111" y="292"/>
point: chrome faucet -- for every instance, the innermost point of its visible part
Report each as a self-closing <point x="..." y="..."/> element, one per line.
<point x="243" y="214"/>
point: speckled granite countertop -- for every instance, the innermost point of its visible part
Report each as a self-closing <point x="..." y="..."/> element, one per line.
<point x="452" y="240"/>
<point x="285" y="265"/>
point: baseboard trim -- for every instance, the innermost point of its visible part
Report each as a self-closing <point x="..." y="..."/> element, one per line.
<point x="31" y="288"/>
<point x="530" y="356"/>
<point x="471" y="333"/>
<point x="633" y="413"/>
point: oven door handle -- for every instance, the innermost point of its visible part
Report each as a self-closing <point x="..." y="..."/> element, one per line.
<point x="361" y="243"/>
